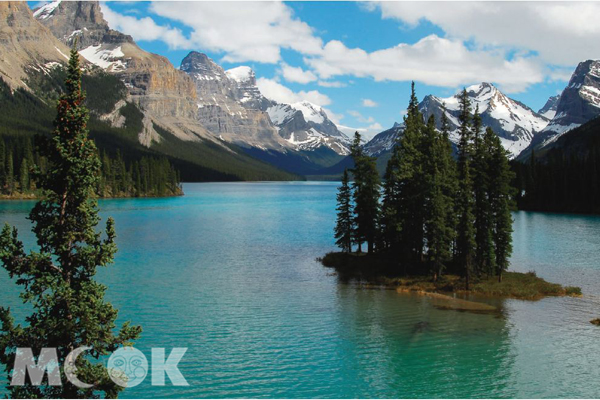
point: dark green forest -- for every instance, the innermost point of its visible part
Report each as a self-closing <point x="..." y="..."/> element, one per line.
<point x="433" y="213"/>
<point x="565" y="177"/>
<point x="26" y="121"/>
<point x="129" y="169"/>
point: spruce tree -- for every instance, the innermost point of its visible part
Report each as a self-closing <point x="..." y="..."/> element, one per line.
<point x="344" y="226"/>
<point x="465" y="239"/>
<point x="501" y="195"/>
<point x="439" y="196"/>
<point x="484" y="257"/>
<point x="366" y="188"/>
<point x="410" y="182"/>
<point x="68" y="307"/>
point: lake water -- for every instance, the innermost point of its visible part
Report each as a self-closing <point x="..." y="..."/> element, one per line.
<point x="229" y="272"/>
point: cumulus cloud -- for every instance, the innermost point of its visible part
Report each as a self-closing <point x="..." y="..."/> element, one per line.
<point x="369" y="103"/>
<point x="332" y="84"/>
<point x="360" y="118"/>
<point x="562" y="33"/>
<point x="244" y="31"/>
<point x="296" y="74"/>
<point x="274" y="90"/>
<point x="432" y="60"/>
<point x="145" y="28"/>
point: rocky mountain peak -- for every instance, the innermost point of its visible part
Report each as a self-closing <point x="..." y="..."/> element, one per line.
<point x="242" y="75"/>
<point x="81" y="20"/>
<point x="549" y="109"/>
<point x="25" y="45"/>
<point x="201" y="67"/>
<point x="578" y="103"/>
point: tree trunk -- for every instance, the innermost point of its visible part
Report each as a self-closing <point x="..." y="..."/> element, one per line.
<point x="359" y="247"/>
<point x="370" y="246"/>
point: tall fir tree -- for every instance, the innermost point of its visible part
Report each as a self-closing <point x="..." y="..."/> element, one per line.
<point x="411" y="191"/>
<point x="68" y="307"/>
<point x="344" y="226"/>
<point x="366" y="189"/>
<point x="501" y="194"/>
<point x="440" y="189"/>
<point x="465" y="235"/>
<point x="484" y="257"/>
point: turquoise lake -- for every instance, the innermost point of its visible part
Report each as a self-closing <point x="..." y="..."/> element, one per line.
<point x="229" y="271"/>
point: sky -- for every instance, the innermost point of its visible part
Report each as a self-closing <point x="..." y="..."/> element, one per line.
<point x="357" y="59"/>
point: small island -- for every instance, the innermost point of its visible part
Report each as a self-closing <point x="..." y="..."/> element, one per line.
<point x="441" y="220"/>
<point x="379" y="270"/>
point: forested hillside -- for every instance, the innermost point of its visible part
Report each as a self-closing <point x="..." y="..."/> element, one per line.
<point x="565" y="177"/>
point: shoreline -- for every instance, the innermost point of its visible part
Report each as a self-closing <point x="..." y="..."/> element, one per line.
<point x="373" y="271"/>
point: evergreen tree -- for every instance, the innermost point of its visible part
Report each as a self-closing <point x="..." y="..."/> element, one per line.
<point x="465" y="240"/>
<point x="484" y="257"/>
<point x="410" y="183"/>
<point x="10" y="175"/>
<point x="501" y="195"/>
<point x="366" y="188"/>
<point x="24" y="176"/>
<point x="439" y="198"/>
<point x="68" y="305"/>
<point x="345" y="221"/>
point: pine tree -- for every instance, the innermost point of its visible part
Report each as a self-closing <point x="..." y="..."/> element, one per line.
<point x="24" y="176"/>
<point x="345" y="220"/>
<point x="465" y="240"/>
<point x="10" y="174"/>
<point x="484" y="257"/>
<point x="68" y="305"/>
<point x="501" y="195"/>
<point x="410" y="182"/>
<point x="439" y="196"/>
<point x="366" y="188"/>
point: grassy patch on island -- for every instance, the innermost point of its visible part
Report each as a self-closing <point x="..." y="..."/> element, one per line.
<point x="378" y="269"/>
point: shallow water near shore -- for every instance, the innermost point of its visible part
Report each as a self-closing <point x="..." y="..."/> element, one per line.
<point x="229" y="272"/>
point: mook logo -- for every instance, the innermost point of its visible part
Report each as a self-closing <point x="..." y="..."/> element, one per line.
<point x="127" y="367"/>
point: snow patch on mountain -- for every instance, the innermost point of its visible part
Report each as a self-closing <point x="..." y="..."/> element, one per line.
<point x="108" y="59"/>
<point x="240" y="74"/>
<point x="46" y="11"/>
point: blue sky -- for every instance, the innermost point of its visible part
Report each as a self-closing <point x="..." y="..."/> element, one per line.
<point x="357" y="59"/>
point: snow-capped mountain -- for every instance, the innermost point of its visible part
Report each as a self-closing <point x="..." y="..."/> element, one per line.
<point x="384" y="141"/>
<point x="25" y="45"/>
<point x="222" y="106"/>
<point x="307" y="126"/>
<point x="515" y="123"/>
<point x="578" y="103"/>
<point x="549" y="109"/>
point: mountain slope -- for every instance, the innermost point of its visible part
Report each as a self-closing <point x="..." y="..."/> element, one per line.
<point x="26" y="45"/>
<point x="578" y="103"/>
<point x="515" y="123"/>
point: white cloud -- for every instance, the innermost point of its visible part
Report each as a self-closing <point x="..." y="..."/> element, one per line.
<point x="562" y="33"/>
<point x="274" y="90"/>
<point x="335" y="118"/>
<point x="332" y="84"/>
<point x="369" y="103"/>
<point x="244" y="31"/>
<point x="433" y="61"/>
<point x="360" y="118"/>
<point x="296" y="74"/>
<point x="145" y="28"/>
<point x="366" y="133"/>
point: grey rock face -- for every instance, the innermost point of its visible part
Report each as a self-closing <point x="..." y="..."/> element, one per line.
<point x="384" y="141"/>
<point x="221" y="109"/>
<point x="549" y="109"/>
<point x="515" y="123"/>
<point x="579" y="102"/>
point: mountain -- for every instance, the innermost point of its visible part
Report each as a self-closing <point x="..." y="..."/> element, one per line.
<point x="384" y="141"/>
<point x="307" y="126"/>
<point x="515" y="123"/>
<point x="166" y="95"/>
<point x="549" y="109"/>
<point x="27" y="47"/>
<point x="226" y="109"/>
<point x="578" y="103"/>
<point x="140" y="105"/>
